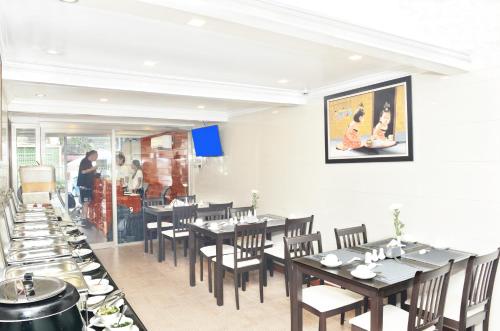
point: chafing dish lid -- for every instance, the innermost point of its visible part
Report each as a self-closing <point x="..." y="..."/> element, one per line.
<point x="30" y="289"/>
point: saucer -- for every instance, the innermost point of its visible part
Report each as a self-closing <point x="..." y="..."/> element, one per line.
<point x="331" y="265"/>
<point x="90" y="267"/>
<point x="368" y="275"/>
<point x="100" y="289"/>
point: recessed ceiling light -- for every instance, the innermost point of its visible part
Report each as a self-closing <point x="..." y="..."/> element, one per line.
<point x="40" y="95"/>
<point x="149" y="63"/>
<point x="103" y="99"/>
<point x="69" y="1"/>
<point x="52" y="51"/>
<point x="355" y="57"/>
<point x="283" y="81"/>
<point x="201" y="106"/>
<point x="197" y="22"/>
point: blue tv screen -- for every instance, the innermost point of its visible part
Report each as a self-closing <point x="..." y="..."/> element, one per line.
<point x="206" y="141"/>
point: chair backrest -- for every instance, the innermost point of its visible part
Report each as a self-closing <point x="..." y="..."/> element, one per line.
<point x="251" y="240"/>
<point x="164" y="194"/>
<point x="428" y="298"/>
<point x="299" y="246"/>
<point x="298" y="226"/>
<point x="221" y="206"/>
<point x="351" y="237"/>
<point x="148" y="202"/>
<point x="240" y="211"/>
<point x="191" y="199"/>
<point x="211" y="215"/>
<point x="478" y="287"/>
<point x="182" y="216"/>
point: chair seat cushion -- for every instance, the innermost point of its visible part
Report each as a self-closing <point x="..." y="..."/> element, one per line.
<point x="170" y="234"/>
<point x="228" y="261"/>
<point x="325" y="298"/>
<point x="209" y="251"/>
<point x="277" y="250"/>
<point x="395" y="319"/>
<point x="154" y="225"/>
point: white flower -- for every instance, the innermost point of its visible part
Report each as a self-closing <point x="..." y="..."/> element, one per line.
<point x="255" y="192"/>
<point x="395" y="206"/>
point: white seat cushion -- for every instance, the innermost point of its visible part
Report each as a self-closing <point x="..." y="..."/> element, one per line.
<point x="228" y="261"/>
<point x="209" y="251"/>
<point x="170" y="234"/>
<point x="395" y="319"/>
<point x="325" y="298"/>
<point x="154" y="225"/>
<point x="277" y="250"/>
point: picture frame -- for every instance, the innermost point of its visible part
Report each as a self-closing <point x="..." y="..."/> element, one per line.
<point x="370" y="124"/>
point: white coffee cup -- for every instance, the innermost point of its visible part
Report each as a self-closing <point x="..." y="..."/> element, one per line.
<point x="363" y="269"/>
<point x="331" y="259"/>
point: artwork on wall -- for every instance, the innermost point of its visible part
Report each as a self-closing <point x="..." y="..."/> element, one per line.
<point x="370" y="124"/>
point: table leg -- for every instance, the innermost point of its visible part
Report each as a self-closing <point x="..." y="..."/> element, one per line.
<point x="296" y="298"/>
<point x="192" y="257"/>
<point x="218" y="272"/>
<point x="145" y="230"/>
<point x="377" y="313"/>
<point x="159" y="237"/>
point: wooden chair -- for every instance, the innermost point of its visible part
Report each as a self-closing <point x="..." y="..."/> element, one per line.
<point x="475" y="305"/>
<point x="323" y="300"/>
<point x="249" y="257"/>
<point x="221" y="206"/>
<point x="426" y="305"/>
<point x="351" y="237"/>
<point x="209" y="251"/>
<point x="293" y="227"/>
<point x="151" y="226"/>
<point x="190" y="199"/>
<point x="164" y="193"/>
<point x="240" y="211"/>
<point x="181" y="217"/>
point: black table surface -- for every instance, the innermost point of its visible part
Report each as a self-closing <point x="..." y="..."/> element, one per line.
<point x="97" y="274"/>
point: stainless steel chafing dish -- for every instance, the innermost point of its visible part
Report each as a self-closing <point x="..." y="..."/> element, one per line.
<point x="48" y="233"/>
<point x="18" y="245"/>
<point x="34" y="226"/>
<point x="38" y="255"/>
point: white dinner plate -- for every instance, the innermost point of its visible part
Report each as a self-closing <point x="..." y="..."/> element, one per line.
<point x="95" y="299"/>
<point x="367" y="275"/>
<point x="100" y="289"/>
<point x="77" y="239"/>
<point x="92" y="282"/>
<point x="97" y="322"/>
<point x="81" y="252"/>
<point x="90" y="267"/>
<point x="331" y="265"/>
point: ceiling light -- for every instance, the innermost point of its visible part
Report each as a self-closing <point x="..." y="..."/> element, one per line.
<point x="69" y="1"/>
<point x="355" y="57"/>
<point x="201" y="106"/>
<point x="149" y="63"/>
<point x="40" y="95"/>
<point x="52" y="51"/>
<point x="103" y="99"/>
<point x="283" y="81"/>
<point x="197" y="22"/>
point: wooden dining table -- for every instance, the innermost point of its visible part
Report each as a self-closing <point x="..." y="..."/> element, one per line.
<point x="225" y="231"/>
<point x="393" y="276"/>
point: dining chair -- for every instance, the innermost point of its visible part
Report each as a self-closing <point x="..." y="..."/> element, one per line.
<point x="152" y="226"/>
<point x="209" y="251"/>
<point x="241" y="211"/>
<point x="249" y="257"/>
<point x="181" y="218"/>
<point x="221" y="206"/>
<point x="190" y="199"/>
<point x="276" y="254"/>
<point x="351" y="237"/>
<point x="475" y="305"/>
<point x="427" y="303"/>
<point x="322" y="300"/>
<point x="164" y="193"/>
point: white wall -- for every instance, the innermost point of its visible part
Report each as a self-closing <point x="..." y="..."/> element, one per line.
<point x="450" y="193"/>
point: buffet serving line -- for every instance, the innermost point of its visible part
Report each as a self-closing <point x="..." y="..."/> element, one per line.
<point x="50" y="277"/>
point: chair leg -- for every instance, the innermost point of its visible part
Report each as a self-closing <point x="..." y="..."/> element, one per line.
<point x="174" y="247"/>
<point x="201" y="267"/>
<point x="209" y="260"/>
<point x="150" y="243"/>
<point x="185" y="248"/>
<point x="271" y="268"/>
<point x="236" y="277"/>
<point x="286" y="282"/>
<point x="262" y="275"/>
<point x="342" y="318"/>
<point x="243" y="281"/>
<point x="357" y="310"/>
<point x="322" y="323"/>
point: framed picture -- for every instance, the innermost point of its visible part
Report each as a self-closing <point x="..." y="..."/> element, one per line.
<point x="370" y="124"/>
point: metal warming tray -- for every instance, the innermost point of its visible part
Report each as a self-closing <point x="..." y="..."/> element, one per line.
<point x="18" y="245"/>
<point x="34" y="226"/>
<point x="38" y="255"/>
<point x="66" y="270"/>
<point x="49" y="233"/>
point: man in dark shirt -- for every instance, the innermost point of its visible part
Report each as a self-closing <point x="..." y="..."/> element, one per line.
<point x="86" y="174"/>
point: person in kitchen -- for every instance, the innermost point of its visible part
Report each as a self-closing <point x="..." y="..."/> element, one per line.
<point x="137" y="178"/>
<point x="86" y="173"/>
<point x="122" y="171"/>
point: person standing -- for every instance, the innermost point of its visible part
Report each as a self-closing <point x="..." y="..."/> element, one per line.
<point x="137" y="179"/>
<point x="85" y="181"/>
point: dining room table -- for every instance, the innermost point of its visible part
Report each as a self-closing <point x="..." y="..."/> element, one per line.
<point x="392" y="275"/>
<point x="223" y="231"/>
<point x="160" y="213"/>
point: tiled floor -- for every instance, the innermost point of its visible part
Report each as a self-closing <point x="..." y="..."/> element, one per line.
<point x="161" y="295"/>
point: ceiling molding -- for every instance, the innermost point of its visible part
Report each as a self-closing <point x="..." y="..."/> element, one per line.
<point x="291" y="21"/>
<point x="76" y="108"/>
<point x="132" y="81"/>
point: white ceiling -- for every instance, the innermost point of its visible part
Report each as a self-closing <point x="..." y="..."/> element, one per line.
<point x="228" y="65"/>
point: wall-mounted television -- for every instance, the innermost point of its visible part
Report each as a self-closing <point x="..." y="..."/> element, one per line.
<point x="206" y="141"/>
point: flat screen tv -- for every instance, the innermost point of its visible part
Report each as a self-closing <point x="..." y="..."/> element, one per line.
<point x="206" y="141"/>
